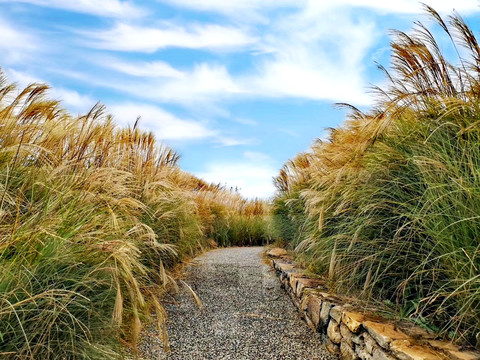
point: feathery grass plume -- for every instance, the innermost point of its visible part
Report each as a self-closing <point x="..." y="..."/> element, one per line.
<point x="92" y="217"/>
<point x="388" y="206"/>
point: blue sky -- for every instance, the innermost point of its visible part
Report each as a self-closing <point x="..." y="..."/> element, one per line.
<point x="237" y="87"/>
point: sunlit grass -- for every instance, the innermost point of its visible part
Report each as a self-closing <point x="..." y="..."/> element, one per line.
<point x="92" y="217"/>
<point x="389" y="207"/>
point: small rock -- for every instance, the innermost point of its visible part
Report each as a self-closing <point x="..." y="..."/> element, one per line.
<point x="336" y="313"/>
<point x="290" y="273"/>
<point x="325" y="313"/>
<point x="370" y="343"/>
<point x="314" y="306"/>
<point x="281" y="265"/>
<point x="333" y="332"/>
<point x="308" y="283"/>
<point x="285" y="274"/>
<point x="310" y="323"/>
<point x="404" y="350"/>
<point x="277" y="252"/>
<point x="362" y="353"/>
<point x="347" y="335"/>
<point x="347" y="352"/>
<point x="359" y="339"/>
<point x="332" y="298"/>
<point x="379" y="354"/>
<point x="454" y="351"/>
<point x="294" y="280"/>
<point x="384" y="333"/>
<point x="417" y="332"/>
<point x="353" y="320"/>
<point x="304" y="302"/>
<point x="332" y="347"/>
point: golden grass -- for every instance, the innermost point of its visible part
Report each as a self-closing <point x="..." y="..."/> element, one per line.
<point x="92" y="217"/>
<point x="388" y="205"/>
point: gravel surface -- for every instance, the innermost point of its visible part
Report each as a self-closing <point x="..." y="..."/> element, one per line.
<point x="245" y="314"/>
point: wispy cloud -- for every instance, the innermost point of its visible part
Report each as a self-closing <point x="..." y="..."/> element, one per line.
<point x="107" y="8"/>
<point x="230" y="6"/>
<point x="21" y="78"/>
<point x="146" y="69"/>
<point x="71" y="99"/>
<point x="168" y="127"/>
<point x="248" y="8"/>
<point x="127" y="37"/>
<point x="306" y="58"/>
<point x="16" y="44"/>
<point x="256" y="156"/>
<point x="165" y="125"/>
<point x="252" y="179"/>
<point x="205" y="84"/>
<point x="245" y="121"/>
<point x="244" y="10"/>
<point x="320" y="60"/>
<point x="223" y="140"/>
<point x="288" y="132"/>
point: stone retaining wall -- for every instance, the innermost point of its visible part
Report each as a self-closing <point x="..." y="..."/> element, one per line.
<point x="354" y="334"/>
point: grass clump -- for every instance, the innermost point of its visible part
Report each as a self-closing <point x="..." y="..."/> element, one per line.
<point x="92" y="216"/>
<point x="389" y="207"/>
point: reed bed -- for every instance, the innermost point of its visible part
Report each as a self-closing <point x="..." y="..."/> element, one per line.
<point x="389" y="207"/>
<point x="92" y="218"/>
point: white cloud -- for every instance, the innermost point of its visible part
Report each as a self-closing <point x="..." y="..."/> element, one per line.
<point x="144" y="69"/>
<point x="73" y="100"/>
<point x="165" y="125"/>
<point x="243" y="10"/>
<point x="107" y="8"/>
<point x="314" y="50"/>
<point x="252" y="179"/>
<point x="256" y="156"/>
<point x="23" y="79"/>
<point x="248" y="8"/>
<point x="231" y="6"/>
<point x="245" y="121"/>
<point x="307" y="58"/>
<point x="204" y="85"/>
<point x="126" y="37"/>
<point x="312" y="59"/>
<point x="409" y="6"/>
<point x="223" y="140"/>
<point x="16" y="45"/>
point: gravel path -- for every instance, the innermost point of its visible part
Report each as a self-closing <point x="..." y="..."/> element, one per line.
<point x="246" y="315"/>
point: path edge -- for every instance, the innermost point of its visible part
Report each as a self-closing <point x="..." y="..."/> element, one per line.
<point x="355" y="334"/>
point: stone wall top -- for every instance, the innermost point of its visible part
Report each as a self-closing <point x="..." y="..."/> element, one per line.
<point x="354" y="333"/>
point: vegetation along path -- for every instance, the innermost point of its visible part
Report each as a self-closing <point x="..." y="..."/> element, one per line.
<point x="245" y="314"/>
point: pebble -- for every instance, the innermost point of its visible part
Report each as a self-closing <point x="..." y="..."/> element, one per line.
<point x="245" y="314"/>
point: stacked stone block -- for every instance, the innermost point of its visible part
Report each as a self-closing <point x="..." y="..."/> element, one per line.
<point x="353" y="334"/>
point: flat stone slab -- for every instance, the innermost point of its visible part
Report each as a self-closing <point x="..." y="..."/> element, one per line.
<point x="384" y="333"/>
<point x="360" y="335"/>
<point x="277" y="252"/>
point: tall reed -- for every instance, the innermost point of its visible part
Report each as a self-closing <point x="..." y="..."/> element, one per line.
<point x="388" y="207"/>
<point x="92" y="217"/>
